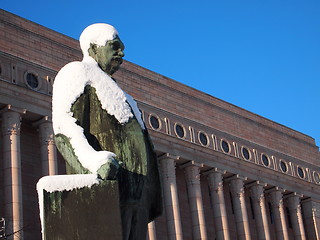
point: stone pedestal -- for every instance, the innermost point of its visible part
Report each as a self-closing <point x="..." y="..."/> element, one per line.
<point x="82" y="214"/>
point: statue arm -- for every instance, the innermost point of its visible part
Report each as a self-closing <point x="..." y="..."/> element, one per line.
<point x="65" y="148"/>
<point x="81" y="110"/>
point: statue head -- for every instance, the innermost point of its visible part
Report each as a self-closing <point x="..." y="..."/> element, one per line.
<point x="101" y="42"/>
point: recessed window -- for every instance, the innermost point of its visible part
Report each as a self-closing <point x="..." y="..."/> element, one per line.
<point x="245" y="153"/>
<point x="179" y="130"/>
<point x="225" y="146"/>
<point x="300" y="172"/>
<point x="154" y="122"/>
<point x="265" y="159"/>
<point x="203" y="138"/>
<point x="32" y="80"/>
<point x="283" y="166"/>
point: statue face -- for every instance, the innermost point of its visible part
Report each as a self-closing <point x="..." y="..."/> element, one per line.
<point x="108" y="57"/>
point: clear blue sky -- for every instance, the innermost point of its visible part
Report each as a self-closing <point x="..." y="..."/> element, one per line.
<point x="261" y="55"/>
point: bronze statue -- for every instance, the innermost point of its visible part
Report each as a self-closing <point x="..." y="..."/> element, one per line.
<point x="98" y="129"/>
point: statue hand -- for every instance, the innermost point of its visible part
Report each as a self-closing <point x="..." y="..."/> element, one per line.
<point x="109" y="170"/>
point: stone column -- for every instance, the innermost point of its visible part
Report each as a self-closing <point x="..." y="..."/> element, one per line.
<point x="48" y="147"/>
<point x="192" y="173"/>
<point x="152" y="235"/>
<point x="170" y="192"/>
<point x="11" y="122"/>
<point x="276" y="197"/>
<point x="296" y="216"/>
<point x="259" y="207"/>
<point x="219" y="207"/>
<point x="311" y="211"/>
<point x="239" y="206"/>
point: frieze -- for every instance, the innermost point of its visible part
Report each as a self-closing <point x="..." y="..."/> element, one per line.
<point x="25" y="74"/>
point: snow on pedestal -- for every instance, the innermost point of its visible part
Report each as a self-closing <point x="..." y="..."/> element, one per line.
<point x="79" y="207"/>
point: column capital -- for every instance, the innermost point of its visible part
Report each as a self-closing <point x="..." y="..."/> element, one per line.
<point x="45" y="129"/>
<point x="9" y="108"/>
<point x="214" y="177"/>
<point x="168" y="156"/>
<point x="275" y="189"/>
<point x="293" y="200"/>
<point x="192" y="172"/>
<point x="276" y="196"/>
<point x="235" y="177"/>
<point x="257" y="191"/>
<point x="256" y="183"/>
<point x="293" y="194"/>
<point x="191" y="164"/>
<point x="236" y="184"/>
<point x="11" y="120"/>
<point x="45" y="119"/>
<point x="314" y="205"/>
<point x="167" y="167"/>
<point x="214" y="170"/>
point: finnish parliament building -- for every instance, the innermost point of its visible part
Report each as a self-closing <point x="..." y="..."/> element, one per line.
<point x="227" y="173"/>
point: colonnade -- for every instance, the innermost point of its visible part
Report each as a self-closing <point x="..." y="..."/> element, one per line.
<point x="12" y="186"/>
<point x="237" y="186"/>
<point x="13" y="209"/>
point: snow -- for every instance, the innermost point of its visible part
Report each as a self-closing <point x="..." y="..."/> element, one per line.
<point x="63" y="183"/>
<point x="98" y="33"/>
<point x="69" y="84"/>
<point x="135" y="109"/>
<point x="66" y="182"/>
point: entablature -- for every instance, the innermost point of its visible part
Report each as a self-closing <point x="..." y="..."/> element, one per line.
<point x="189" y="139"/>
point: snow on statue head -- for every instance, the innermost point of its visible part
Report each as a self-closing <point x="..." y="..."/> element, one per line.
<point x="99" y="34"/>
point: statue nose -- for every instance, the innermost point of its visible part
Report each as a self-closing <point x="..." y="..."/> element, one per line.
<point x="120" y="53"/>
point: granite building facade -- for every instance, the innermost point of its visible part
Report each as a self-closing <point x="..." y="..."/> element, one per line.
<point x="227" y="173"/>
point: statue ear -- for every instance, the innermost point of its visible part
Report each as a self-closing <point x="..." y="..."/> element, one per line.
<point x="92" y="50"/>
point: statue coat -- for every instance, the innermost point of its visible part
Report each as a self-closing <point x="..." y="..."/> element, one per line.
<point x="138" y="176"/>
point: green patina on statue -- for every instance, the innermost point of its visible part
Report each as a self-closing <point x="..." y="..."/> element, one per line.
<point x="135" y="164"/>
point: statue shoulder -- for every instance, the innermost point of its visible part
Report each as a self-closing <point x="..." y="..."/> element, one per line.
<point x="70" y="70"/>
<point x="69" y="82"/>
